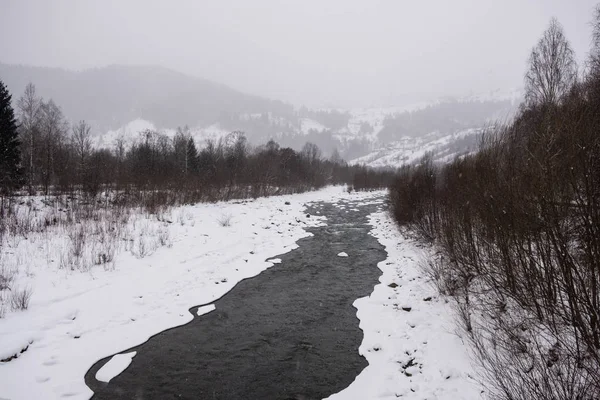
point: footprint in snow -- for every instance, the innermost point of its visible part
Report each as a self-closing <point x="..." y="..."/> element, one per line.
<point x="51" y="361"/>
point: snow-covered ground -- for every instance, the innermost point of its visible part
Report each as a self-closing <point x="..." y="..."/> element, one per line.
<point x="410" y="337"/>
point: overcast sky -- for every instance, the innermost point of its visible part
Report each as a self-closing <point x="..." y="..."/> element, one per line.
<point x="316" y="52"/>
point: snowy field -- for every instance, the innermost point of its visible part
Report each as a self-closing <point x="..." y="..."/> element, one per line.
<point x="411" y="340"/>
<point x="192" y="256"/>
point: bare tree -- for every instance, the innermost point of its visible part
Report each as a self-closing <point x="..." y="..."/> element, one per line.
<point x="236" y="150"/>
<point x="311" y="153"/>
<point x="82" y="145"/>
<point x="53" y="128"/>
<point x="552" y="68"/>
<point x="595" y="52"/>
<point x="29" y="114"/>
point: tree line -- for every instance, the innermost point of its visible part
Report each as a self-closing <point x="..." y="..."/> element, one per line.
<point x="43" y="154"/>
<point x="518" y="229"/>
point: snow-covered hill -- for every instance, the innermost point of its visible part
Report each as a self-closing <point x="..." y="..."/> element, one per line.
<point x="377" y="137"/>
<point x="443" y="148"/>
<point x="132" y="131"/>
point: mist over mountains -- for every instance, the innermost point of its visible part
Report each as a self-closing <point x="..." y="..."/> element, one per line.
<point x="111" y="96"/>
<point x="120" y="101"/>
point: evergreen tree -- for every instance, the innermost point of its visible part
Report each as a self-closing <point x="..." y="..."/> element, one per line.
<point x="10" y="153"/>
<point x="192" y="156"/>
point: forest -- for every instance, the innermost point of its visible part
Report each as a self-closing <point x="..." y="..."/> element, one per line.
<point x="516" y="227"/>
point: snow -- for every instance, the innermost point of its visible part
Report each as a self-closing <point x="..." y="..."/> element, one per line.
<point x="205" y="309"/>
<point x="275" y="260"/>
<point x="78" y="317"/>
<point x="343" y="254"/>
<point x="409" y="332"/>
<point x="212" y="132"/>
<point x="514" y="95"/>
<point x="117" y="364"/>
<point x="307" y="125"/>
<point x="130" y="132"/>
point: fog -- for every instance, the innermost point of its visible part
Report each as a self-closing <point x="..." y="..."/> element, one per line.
<point x="344" y="53"/>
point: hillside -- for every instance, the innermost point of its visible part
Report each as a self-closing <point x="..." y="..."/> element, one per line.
<point x="112" y="96"/>
<point x="443" y="146"/>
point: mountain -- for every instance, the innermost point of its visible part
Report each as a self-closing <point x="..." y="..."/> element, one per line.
<point x="445" y="129"/>
<point x="112" y="96"/>
<point x="121" y="101"/>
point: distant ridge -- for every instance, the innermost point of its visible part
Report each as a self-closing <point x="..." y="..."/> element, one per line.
<point x="111" y="96"/>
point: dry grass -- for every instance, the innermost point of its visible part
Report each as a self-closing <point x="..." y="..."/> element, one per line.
<point x="19" y="298"/>
<point x="224" y="220"/>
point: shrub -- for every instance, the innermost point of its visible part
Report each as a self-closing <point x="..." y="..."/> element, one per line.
<point x="224" y="220"/>
<point x="19" y="298"/>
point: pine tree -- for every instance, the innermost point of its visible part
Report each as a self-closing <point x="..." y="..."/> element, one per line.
<point x="192" y="156"/>
<point x="11" y="176"/>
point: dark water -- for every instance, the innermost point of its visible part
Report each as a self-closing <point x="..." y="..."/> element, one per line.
<point x="289" y="333"/>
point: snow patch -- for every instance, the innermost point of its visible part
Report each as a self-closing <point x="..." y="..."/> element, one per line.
<point x="409" y="334"/>
<point x="114" y="366"/>
<point x="205" y="309"/>
<point x="131" y="131"/>
<point x="307" y="125"/>
<point x="343" y="254"/>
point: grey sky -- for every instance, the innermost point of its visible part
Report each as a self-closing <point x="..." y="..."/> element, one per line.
<point x="327" y="52"/>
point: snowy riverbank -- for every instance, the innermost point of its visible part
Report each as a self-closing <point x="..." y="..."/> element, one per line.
<point x="411" y="340"/>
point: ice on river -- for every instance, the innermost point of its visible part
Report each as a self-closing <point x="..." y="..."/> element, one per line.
<point x="411" y="341"/>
